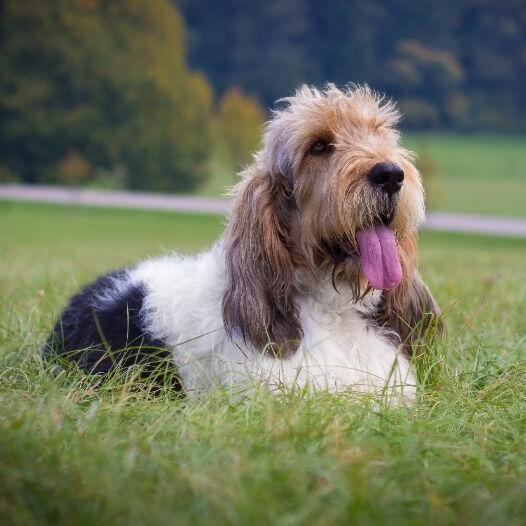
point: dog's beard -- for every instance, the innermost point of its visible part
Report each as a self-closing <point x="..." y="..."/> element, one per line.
<point x="379" y="208"/>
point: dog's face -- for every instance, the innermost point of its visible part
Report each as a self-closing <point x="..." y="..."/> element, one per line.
<point x="340" y="158"/>
<point x="330" y="189"/>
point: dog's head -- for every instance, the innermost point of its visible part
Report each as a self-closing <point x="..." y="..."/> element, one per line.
<point x="331" y="190"/>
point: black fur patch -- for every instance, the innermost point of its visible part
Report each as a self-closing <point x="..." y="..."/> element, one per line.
<point x="98" y="335"/>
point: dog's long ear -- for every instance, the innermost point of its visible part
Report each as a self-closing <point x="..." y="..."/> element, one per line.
<point x="258" y="301"/>
<point x="410" y="309"/>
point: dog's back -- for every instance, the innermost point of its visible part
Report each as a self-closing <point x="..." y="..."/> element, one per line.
<point x="101" y="328"/>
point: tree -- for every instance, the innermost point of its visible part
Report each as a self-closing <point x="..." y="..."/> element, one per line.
<point x="453" y="64"/>
<point x="239" y="122"/>
<point x="106" y="80"/>
<point x="257" y="46"/>
<point x="425" y="79"/>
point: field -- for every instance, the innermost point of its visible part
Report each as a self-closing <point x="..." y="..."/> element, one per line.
<point x="478" y="174"/>
<point x="481" y="174"/>
<point x="71" y="454"/>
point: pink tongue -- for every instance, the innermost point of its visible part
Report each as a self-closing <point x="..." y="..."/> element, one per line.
<point x="379" y="257"/>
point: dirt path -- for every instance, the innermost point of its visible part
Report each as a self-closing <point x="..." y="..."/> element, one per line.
<point x="449" y="222"/>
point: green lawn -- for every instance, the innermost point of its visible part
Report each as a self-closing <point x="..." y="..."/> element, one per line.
<point x="70" y="454"/>
<point x="483" y="174"/>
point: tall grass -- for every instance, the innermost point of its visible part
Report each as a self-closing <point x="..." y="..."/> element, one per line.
<point x="77" y="452"/>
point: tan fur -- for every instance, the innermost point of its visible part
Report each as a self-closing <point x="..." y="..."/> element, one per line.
<point x="291" y="207"/>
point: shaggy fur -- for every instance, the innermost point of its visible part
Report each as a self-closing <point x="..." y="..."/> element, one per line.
<point x="281" y="298"/>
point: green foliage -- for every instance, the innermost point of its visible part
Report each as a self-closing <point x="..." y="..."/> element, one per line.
<point x="426" y="77"/>
<point x="257" y="46"/>
<point x="457" y="64"/>
<point x="73" y="454"/>
<point x="73" y="169"/>
<point x="105" y="82"/>
<point x="239" y="127"/>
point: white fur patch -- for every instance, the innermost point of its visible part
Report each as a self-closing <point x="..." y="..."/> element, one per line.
<point x="340" y="349"/>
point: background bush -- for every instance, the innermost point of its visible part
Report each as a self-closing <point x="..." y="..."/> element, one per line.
<point x="101" y="85"/>
<point x="239" y="122"/>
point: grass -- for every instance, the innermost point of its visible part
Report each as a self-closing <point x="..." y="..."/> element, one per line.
<point x="477" y="174"/>
<point x="481" y="174"/>
<point x="70" y="454"/>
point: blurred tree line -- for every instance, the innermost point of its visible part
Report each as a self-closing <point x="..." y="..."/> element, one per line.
<point x="452" y="64"/>
<point x="98" y="91"/>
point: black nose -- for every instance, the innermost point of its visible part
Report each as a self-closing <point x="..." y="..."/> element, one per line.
<point x="387" y="176"/>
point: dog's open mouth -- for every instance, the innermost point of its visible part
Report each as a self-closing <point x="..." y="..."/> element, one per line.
<point x="376" y="254"/>
<point x="379" y="260"/>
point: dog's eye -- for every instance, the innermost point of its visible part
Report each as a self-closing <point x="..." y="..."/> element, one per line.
<point x="320" y="147"/>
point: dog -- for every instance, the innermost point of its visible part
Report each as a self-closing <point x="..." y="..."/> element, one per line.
<point x="313" y="284"/>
